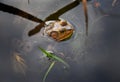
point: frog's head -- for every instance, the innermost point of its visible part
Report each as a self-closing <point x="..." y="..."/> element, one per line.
<point x="59" y="30"/>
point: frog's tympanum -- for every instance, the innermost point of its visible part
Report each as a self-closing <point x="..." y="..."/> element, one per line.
<point x="59" y="30"/>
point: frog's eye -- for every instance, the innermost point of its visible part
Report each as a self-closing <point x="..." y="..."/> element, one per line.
<point x="54" y="34"/>
<point x="63" y="23"/>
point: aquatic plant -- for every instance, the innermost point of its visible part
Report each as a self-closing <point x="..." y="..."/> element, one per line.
<point x="54" y="59"/>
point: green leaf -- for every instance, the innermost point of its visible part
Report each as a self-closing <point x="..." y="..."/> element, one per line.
<point x="46" y="53"/>
<point x="52" y="56"/>
<point x="60" y="60"/>
<point x="49" y="69"/>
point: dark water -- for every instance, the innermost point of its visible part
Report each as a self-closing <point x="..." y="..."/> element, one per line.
<point x="92" y="59"/>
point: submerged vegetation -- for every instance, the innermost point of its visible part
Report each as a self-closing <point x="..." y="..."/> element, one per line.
<point x="54" y="59"/>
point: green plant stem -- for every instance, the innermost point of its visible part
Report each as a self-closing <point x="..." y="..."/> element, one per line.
<point x="49" y="69"/>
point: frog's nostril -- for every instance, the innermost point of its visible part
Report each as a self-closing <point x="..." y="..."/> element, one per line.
<point x="54" y="34"/>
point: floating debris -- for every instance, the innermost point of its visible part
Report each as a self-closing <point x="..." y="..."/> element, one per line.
<point x="28" y="1"/>
<point x="19" y="63"/>
<point x="85" y="14"/>
<point x="114" y="2"/>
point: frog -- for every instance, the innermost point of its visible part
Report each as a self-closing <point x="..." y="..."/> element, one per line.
<point x="59" y="30"/>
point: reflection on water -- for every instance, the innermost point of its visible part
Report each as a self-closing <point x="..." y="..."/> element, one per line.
<point x="94" y="58"/>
